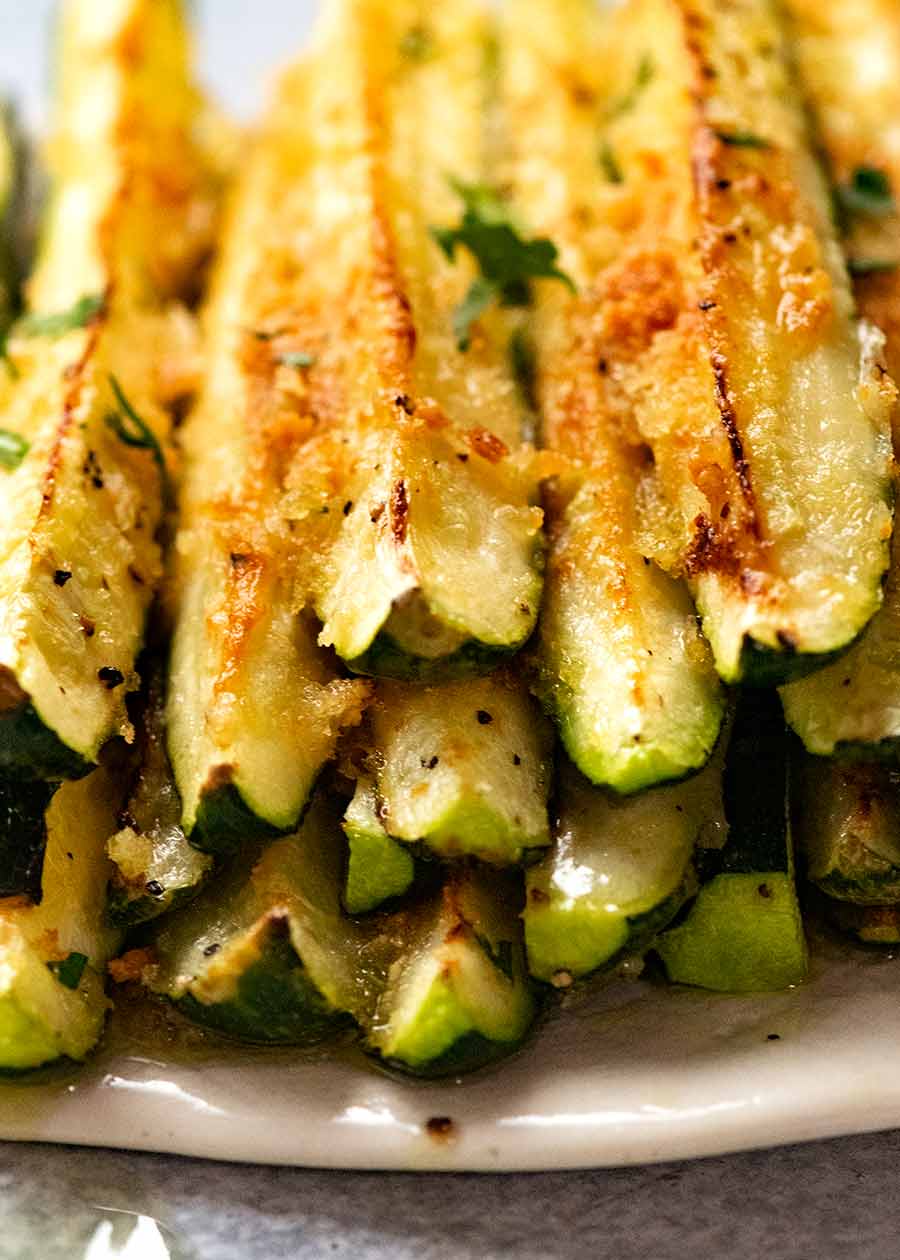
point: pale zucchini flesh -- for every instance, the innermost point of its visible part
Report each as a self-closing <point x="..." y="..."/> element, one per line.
<point x="618" y="872"/>
<point x="847" y="821"/>
<point x="379" y="868"/>
<point x="463" y="768"/>
<point x="41" y="1017"/>
<point x="424" y="537"/>
<point x="622" y="664"/>
<point x="127" y="224"/>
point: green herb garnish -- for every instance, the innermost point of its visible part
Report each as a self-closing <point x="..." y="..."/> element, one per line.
<point x="59" y="323"/>
<point x="507" y="261"/>
<point x="642" y="76"/>
<point x="871" y="266"/>
<point x="13" y="449"/>
<point x="743" y="139"/>
<point x="70" y="970"/>
<point x="417" y="44"/>
<point x="611" y="168"/>
<point x="297" y="359"/>
<point x="869" y="192"/>
<point x="133" y="431"/>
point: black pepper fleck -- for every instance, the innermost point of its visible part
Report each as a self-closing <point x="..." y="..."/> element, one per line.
<point x="348" y="507"/>
<point x="61" y="576"/>
<point x="484" y="718"/>
<point x="110" y="676"/>
<point x="154" y="888"/>
<point x="211" y="949"/>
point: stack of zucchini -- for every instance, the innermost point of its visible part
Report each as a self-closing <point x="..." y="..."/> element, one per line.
<point x="391" y="614"/>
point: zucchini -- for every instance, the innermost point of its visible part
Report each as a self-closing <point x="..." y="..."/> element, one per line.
<point x="463" y="768"/>
<point x="154" y="866"/>
<point x="871" y="925"/>
<point x="254" y="708"/>
<point x="619" y="871"/>
<point x="53" y="956"/>
<point x="848" y="55"/>
<point x="421" y="534"/>
<point x="95" y="358"/>
<point x="23" y="836"/>
<point x="622" y="664"/>
<point x="378" y="868"/>
<point x="266" y="955"/>
<point x="847" y="820"/>
<point x="726" y="328"/>
<point x="743" y="932"/>
<point x="12" y="200"/>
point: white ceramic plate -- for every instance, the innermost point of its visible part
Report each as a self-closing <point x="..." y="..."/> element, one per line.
<point x="641" y="1073"/>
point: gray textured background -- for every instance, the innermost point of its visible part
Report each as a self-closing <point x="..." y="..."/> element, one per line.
<point x="817" y="1202"/>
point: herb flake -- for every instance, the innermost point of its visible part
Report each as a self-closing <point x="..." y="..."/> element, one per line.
<point x="13" y="449"/>
<point x="507" y="261"/>
<point x="70" y="970"/>
<point x="609" y="165"/>
<point x="868" y="193"/>
<point x="133" y="431"/>
<point x="58" y="323"/>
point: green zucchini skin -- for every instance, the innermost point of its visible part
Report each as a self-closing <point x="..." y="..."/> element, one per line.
<point x="13" y="159"/>
<point x="275" y="1003"/>
<point x="387" y="659"/>
<point x="743" y="932"/>
<point x="847" y="820"/>
<point x="763" y="666"/>
<point x="379" y="869"/>
<point x="224" y="823"/>
<point x="23" y="836"/>
<point x="33" y="750"/>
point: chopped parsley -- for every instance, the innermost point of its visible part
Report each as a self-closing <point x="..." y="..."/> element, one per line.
<point x="70" y="970"/>
<point x="868" y="192"/>
<point x="642" y="76"/>
<point x="743" y="139"/>
<point x="297" y="359"/>
<point x="417" y="44"/>
<point x="611" y="168"/>
<point x="13" y="450"/>
<point x="871" y="266"/>
<point x="58" y="323"/>
<point x="507" y="261"/>
<point x="133" y="431"/>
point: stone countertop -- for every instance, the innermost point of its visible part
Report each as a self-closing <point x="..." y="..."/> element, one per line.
<point x="831" y="1200"/>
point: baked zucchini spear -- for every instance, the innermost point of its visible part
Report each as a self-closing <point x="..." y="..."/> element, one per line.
<point x="743" y="932"/>
<point x="618" y="872"/>
<point x="379" y="868"/>
<point x="267" y="955"/>
<point x="53" y="955"/>
<point x="848" y="56"/>
<point x="421" y="538"/>
<point x="463" y="768"/>
<point x="622" y="664"/>
<point x="91" y="364"/>
<point x="847" y="822"/>
<point x="725" y="327"/>
<point x="154" y="867"/>
<point x="871" y="925"/>
<point x="254" y="708"/>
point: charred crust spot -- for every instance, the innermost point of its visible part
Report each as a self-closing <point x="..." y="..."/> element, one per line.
<point x="709" y="550"/>
<point x="729" y="424"/>
<point x="88" y="628"/>
<point x="61" y="576"/>
<point x="110" y="677"/>
<point x="486" y="444"/>
<point x="219" y="777"/>
<point x="405" y="403"/>
<point x="399" y="509"/>
<point x="376" y="513"/>
<point x="441" y="1129"/>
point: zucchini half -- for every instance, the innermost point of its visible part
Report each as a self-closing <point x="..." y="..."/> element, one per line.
<point x="254" y="707"/>
<point x="463" y="768"/>
<point x="727" y="329"/>
<point x="743" y="932"/>
<point x="53" y="956"/>
<point x="848" y="56"/>
<point x="622" y="664"/>
<point x="618" y="872"/>
<point x="421" y="534"/>
<point x="95" y="359"/>
<point x="267" y="955"/>
<point x="847" y="820"/>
